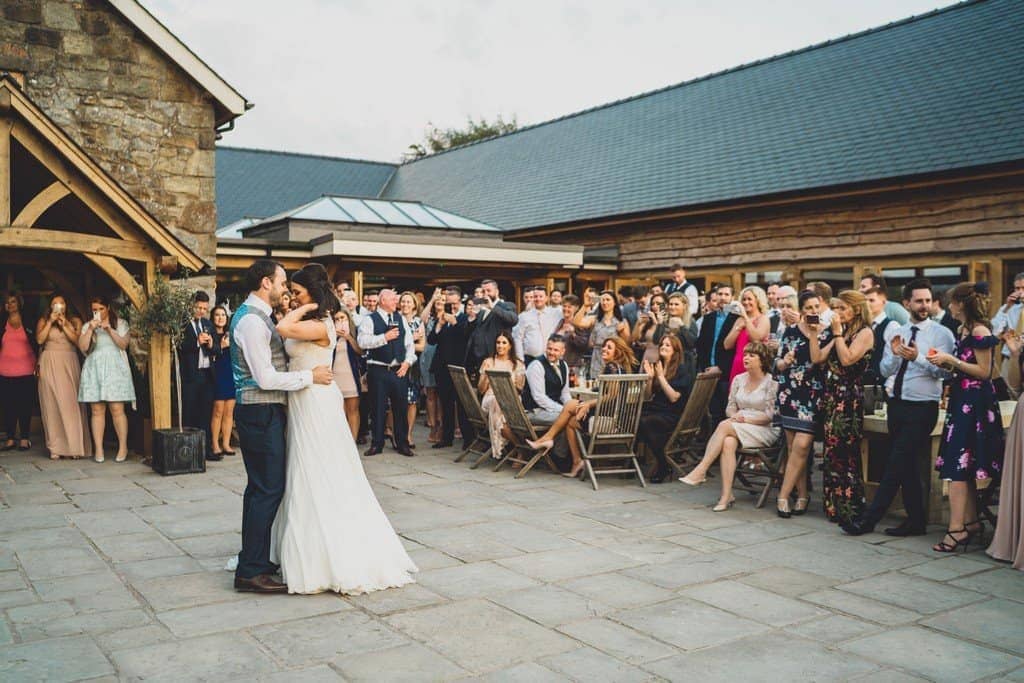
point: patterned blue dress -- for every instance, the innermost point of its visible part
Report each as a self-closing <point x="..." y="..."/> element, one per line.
<point x="972" y="437"/>
<point x="801" y="386"/>
<point x="106" y="375"/>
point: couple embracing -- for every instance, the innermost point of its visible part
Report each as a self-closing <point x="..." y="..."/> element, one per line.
<point x="308" y="508"/>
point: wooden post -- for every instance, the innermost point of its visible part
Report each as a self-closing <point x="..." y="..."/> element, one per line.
<point x="159" y="367"/>
<point x="357" y="284"/>
<point x="5" y="168"/>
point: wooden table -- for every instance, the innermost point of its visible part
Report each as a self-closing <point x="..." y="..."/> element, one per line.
<point x="876" y="429"/>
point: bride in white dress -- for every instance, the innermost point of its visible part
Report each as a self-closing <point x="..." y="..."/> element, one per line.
<point x="330" y="533"/>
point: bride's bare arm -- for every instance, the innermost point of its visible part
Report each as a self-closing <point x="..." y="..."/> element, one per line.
<point x="292" y="326"/>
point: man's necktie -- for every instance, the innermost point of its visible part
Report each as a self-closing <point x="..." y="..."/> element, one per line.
<point x="897" y="387"/>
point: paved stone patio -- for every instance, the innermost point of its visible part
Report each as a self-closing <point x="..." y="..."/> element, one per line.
<point x="111" y="572"/>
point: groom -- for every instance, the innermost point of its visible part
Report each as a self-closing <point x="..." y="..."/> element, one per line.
<point x="259" y="365"/>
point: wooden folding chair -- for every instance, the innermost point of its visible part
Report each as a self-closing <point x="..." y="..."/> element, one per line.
<point x="470" y="402"/>
<point x="769" y="466"/>
<point x="614" y="425"/>
<point x="685" y="442"/>
<point x="518" y="424"/>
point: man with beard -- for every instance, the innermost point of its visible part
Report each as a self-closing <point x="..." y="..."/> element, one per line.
<point x="913" y="408"/>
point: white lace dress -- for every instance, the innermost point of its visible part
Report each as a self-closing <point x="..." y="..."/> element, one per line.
<point x="330" y="533"/>
<point x="759" y="402"/>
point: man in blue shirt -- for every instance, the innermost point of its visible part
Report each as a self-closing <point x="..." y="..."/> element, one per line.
<point x="914" y="387"/>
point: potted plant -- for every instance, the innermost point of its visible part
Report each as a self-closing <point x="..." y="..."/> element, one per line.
<point x="163" y="318"/>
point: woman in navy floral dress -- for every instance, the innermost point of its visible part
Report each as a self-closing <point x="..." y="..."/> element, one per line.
<point x="972" y="437"/>
<point x="848" y="356"/>
<point x="801" y="386"/>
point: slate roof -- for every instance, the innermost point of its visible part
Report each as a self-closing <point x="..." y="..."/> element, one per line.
<point x="259" y="183"/>
<point x="931" y="93"/>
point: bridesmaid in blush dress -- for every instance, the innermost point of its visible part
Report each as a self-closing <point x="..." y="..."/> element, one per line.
<point x="64" y="422"/>
<point x="1008" y="541"/>
<point x="345" y="367"/>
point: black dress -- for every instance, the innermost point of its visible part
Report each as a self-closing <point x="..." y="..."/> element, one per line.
<point x="660" y="416"/>
<point x="972" y="437"/>
<point x="844" y="410"/>
<point x="801" y="385"/>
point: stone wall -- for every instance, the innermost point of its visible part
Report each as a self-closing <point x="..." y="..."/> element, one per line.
<point x="135" y="112"/>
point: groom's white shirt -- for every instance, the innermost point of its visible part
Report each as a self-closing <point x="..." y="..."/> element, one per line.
<point x="253" y="340"/>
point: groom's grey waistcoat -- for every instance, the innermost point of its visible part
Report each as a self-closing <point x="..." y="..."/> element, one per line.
<point x="247" y="391"/>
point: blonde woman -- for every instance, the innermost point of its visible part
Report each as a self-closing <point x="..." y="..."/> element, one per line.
<point x="848" y="355"/>
<point x="752" y="325"/>
<point x="409" y="307"/>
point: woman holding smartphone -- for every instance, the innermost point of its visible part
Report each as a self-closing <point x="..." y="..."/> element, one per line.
<point x="106" y="375"/>
<point x="60" y="373"/>
<point x="646" y="333"/>
<point x="606" y="322"/>
<point x="18" y="353"/>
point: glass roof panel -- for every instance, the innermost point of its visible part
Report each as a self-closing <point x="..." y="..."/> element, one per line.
<point x="421" y="216"/>
<point x="358" y="210"/>
<point x="322" y="210"/>
<point x="389" y="211"/>
<point x="458" y="221"/>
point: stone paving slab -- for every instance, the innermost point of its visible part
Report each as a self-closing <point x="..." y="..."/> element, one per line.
<point x="538" y="579"/>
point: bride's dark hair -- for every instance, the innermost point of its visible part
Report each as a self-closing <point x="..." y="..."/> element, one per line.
<point x="313" y="277"/>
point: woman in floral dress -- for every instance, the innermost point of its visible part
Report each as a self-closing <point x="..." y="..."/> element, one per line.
<point x="847" y="355"/>
<point x="972" y="437"/>
<point x="801" y="385"/>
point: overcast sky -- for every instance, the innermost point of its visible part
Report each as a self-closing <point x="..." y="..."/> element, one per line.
<point x="361" y="78"/>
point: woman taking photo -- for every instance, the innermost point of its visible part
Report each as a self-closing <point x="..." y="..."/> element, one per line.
<point x="669" y="381"/>
<point x="576" y="341"/>
<point x="503" y="358"/>
<point x="346" y="366"/>
<point x="18" y="353"/>
<point x="106" y="375"/>
<point x="752" y="325"/>
<point x="223" y="419"/>
<point x="60" y="373"/>
<point x="847" y="355"/>
<point x="427" y="379"/>
<point x="972" y="437"/>
<point x="648" y="331"/>
<point x="409" y="307"/>
<point x="748" y="422"/>
<point x="798" y="411"/>
<point x="604" y="323"/>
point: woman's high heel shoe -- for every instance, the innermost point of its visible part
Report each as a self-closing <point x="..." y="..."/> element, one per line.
<point x="782" y="508"/>
<point x="801" y="506"/>
<point x="723" y="508"/>
<point x="959" y="544"/>
<point x="574" y="473"/>
<point x="692" y="482"/>
<point x="541" y="444"/>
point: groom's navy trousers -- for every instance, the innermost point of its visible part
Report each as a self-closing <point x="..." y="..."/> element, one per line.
<point x="261" y="436"/>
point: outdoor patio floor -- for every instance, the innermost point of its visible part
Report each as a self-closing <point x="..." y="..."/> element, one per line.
<point x="112" y="572"/>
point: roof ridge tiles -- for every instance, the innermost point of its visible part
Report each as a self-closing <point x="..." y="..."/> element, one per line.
<point x="741" y="67"/>
<point x="307" y="155"/>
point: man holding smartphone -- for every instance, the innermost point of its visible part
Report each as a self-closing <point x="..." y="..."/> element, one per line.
<point x="1009" y="319"/>
<point x="197" y="353"/>
<point x="449" y="335"/>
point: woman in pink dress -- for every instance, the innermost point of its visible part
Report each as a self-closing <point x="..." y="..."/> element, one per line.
<point x="17" y="372"/>
<point x="752" y="325"/>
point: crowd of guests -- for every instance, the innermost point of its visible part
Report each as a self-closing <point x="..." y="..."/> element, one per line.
<point x="789" y="367"/>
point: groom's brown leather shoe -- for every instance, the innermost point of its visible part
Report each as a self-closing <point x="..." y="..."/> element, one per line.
<point x="406" y="451"/>
<point x="263" y="583"/>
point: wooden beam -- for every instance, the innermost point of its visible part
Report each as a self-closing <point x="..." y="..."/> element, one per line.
<point x="159" y="368"/>
<point x="62" y="240"/>
<point x="5" y="171"/>
<point x="120" y="275"/>
<point x="52" y="194"/>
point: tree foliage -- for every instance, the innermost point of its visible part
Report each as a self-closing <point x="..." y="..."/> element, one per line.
<point x="437" y="139"/>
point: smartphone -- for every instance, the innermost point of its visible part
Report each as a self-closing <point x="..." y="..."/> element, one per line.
<point x="58" y="307"/>
<point x="449" y="308"/>
<point x="96" y="316"/>
<point x="812" y="319"/>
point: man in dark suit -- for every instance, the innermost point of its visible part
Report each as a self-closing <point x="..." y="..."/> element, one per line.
<point x="450" y="336"/>
<point x="493" y="316"/>
<point x="711" y="352"/>
<point x="942" y="316"/>
<point x="196" y="355"/>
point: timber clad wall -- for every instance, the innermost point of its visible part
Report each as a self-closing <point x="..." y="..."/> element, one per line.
<point x="972" y="218"/>
<point x="129" y="107"/>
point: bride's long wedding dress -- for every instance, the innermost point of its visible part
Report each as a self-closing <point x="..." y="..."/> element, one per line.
<point x="330" y="533"/>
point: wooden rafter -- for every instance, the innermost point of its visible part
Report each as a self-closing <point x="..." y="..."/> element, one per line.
<point x="119" y="274"/>
<point x="50" y="195"/>
<point x="61" y="240"/>
<point x="5" y="169"/>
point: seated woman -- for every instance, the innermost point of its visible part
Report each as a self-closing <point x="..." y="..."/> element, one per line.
<point x="504" y="358"/>
<point x="617" y="359"/>
<point x="669" y="381"/>
<point x="748" y="425"/>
